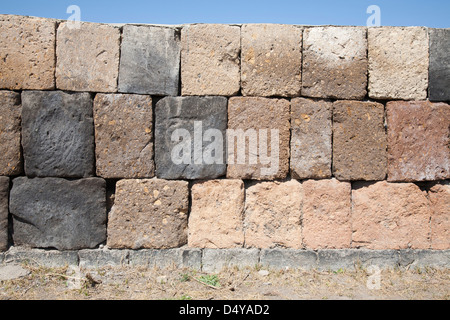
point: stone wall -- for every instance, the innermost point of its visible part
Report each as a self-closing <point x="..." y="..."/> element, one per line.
<point x="119" y="137"/>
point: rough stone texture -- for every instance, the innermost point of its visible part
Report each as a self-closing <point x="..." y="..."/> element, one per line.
<point x="327" y="214"/>
<point x="183" y="113"/>
<point x="439" y="70"/>
<point x="93" y="259"/>
<point x="271" y="60"/>
<point x="124" y="136"/>
<point x="390" y="216"/>
<point x="260" y="116"/>
<point x="359" y="141"/>
<point x="218" y="260"/>
<point x="150" y="214"/>
<point x="39" y="257"/>
<point x="27" y="58"/>
<point x="422" y="259"/>
<point x="398" y="63"/>
<point x="57" y="134"/>
<point x="335" y="62"/>
<point x="311" y="132"/>
<point x="418" y="140"/>
<point x="149" y="60"/>
<point x="170" y="258"/>
<point x="210" y="60"/>
<point x="273" y="215"/>
<point x="383" y="259"/>
<point x="439" y="196"/>
<point x="4" y="199"/>
<point x="58" y="213"/>
<point x="10" y="127"/>
<point x="217" y="214"/>
<point x="288" y="258"/>
<point x="333" y="260"/>
<point x="87" y="57"/>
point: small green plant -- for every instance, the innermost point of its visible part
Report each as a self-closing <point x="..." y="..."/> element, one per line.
<point x="339" y="271"/>
<point x="185" y="277"/>
<point x="185" y="297"/>
<point x="211" y="280"/>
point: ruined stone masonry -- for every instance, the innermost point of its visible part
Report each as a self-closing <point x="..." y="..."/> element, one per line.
<point x="211" y="145"/>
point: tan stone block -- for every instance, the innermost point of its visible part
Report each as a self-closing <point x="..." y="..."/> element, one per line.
<point x="439" y="196"/>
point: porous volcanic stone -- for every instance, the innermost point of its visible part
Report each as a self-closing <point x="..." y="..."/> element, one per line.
<point x="10" y="126"/>
<point x="27" y="57"/>
<point x="58" y="213"/>
<point x="4" y="199"/>
<point x="149" y="214"/>
<point x="439" y="196"/>
<point x="187" y="121"/>
<point x="57" y="134"/>
<point x="217" y="214"/>
<point x="87" y="57"/>
<point x="390" y="216"/>
<point x="149" y="60"/>
<point x="359" y="141"/>
<point x="311" y="132"/>
<point x="335" y="62"/>
<point x="271" y="60"/>
<point x="439" y="71"/>
<point x="124" y="136"/>
<point x="398" y="63"/>
<point x="418" y="139"/>
<point x="210" y="60"/>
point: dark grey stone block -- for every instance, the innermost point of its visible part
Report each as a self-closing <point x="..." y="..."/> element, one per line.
<point x="4" y="194"/>
<point x="57" y="213"/>
<point x="150" y="60"/>
<point x="58" y="134"/>
<point x="425" y="258"/>
<point x="439" y="72"/>
<point x="196" y="117"/>
<point x="288" y="258"/>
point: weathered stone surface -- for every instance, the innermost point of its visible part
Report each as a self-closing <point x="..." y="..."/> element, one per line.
<point x="273" y="215"/>
<point x="210" y="60"/>
<point x="390" y="216"/>
<point x="439" y="70"/>
<point x="288" y="258"/>
<point x="184" y="131"/>
<point x="95" y="258"/>
<point x="58" y="213"/>
<point x="335" y="62"/>
<point x="149" y="60"/>
<point x="271" y="60"/>
<point x="334" y="260"/>
<point x="383" y="259"/>
<point x="258" y="138"/>
<point x="10" y="126"/>
<point x="327" y="214"/>
<point x="4" y="199"/>
<point x="150" y="214"/>
<point x="87" y="57"/>
<point x="39" y="257"/>
<point x="218" y="260"/>
<point x="27" y="58"/>
<point x="124" y="136"/>
<point x="57" y="134"/>
<point x="398" y="63"/>
<point x="217" y="214"/>
<point x="168" y="258"/>
<point x="311" y="132"/>
<point x="420" y="259"/>
<point x="359" y="141"/>
<point x="418" y="140"/>
<point x="439" y="196"/>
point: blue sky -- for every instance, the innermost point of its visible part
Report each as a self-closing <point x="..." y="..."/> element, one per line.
<point x="429" y="13"/>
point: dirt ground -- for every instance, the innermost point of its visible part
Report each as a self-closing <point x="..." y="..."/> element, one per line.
<point x="232" y="284"/>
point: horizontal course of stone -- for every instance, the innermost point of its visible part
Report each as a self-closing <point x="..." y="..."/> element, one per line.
<point x="88" y="116"/>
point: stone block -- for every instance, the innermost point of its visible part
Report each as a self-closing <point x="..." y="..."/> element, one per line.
<point x="335" y="62"/>
<point x="93" y="259"/>
<point x="271" y="60"/>
<point x="439" y="196"/>
<point x="178" y="258"/>
<point x="4" y="213"/>
<point x="149" y="214"/>
<point x="423" y="259"/>
<point x="58" y="213"/>
<point x="41" y="258"/>
<point x="273" y="212"/>
<point x="124" y="136"/>
<point x="258" y="138"/>
<point x="190" y="137"/>
<point x="439" y="70"/>
<point x="217" y="214"/>
<point x="210" y="60"/>
<point x="334" y="260"/>
<point x="87" y="57"/>
<point x="218" y="260"/>
<point x="10" y="136"/>
<point x="57" y="134"/>
<point x="398" y="63"/>
<point x="311" y="135"/>
<point x="418" y="140"/>
<point x="27" y="58"/>
<point x="390" y="216"/>
<point x="359" y="141"/>
<point x="150" y="60"/>
<point x="279" y="259"/>
<point x="326" y="214"/>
